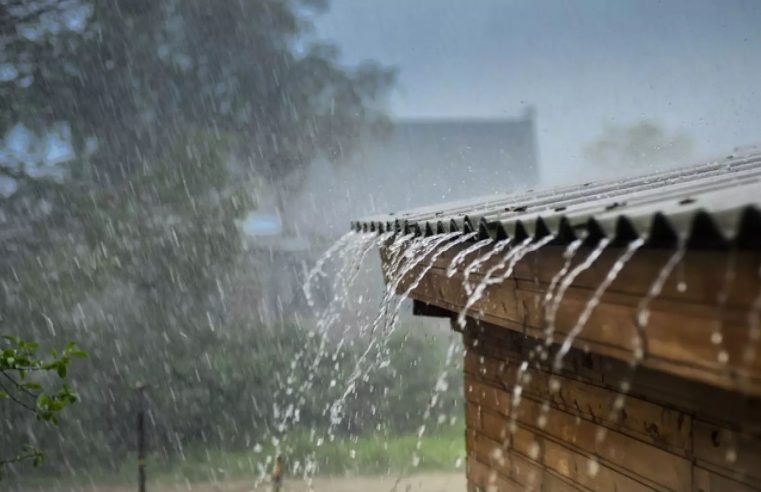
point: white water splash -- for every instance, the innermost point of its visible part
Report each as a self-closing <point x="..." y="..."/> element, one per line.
<point x="642" y="316"/>
<point x="641" y="319"/>
<point x="317" y="270"/>
<point x="461" y="255"/>
<point x="594" y="301"/>
<point x="566" y="282"/>
<point x="499" y="246"/>
<point x="754" y="328"/>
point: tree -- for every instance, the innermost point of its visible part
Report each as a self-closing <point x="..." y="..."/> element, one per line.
<point x="167" y="110"/>
<point x="639" y="146"/>
<point x="18" y="360"/>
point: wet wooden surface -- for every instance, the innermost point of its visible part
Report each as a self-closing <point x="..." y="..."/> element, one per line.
<point x="701" y="331"/>
<point x="691" y="420"/>
<point x="659" y="441"/>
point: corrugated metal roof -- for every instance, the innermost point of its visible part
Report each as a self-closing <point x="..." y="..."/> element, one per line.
<point x="710" y="205"/>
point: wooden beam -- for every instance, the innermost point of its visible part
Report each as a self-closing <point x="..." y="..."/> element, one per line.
<point x="691" y="332"/>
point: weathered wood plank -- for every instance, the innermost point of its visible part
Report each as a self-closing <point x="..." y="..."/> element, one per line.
<point x="730" y="453"/>
<point x="528" y="474"/>
<point x="637" y="459"/>
<point x="487" y="480"/>
<point x="708" y="481"/>
<point x="658" y="425"/>
<point x="685" y="396"/>
<point x="680" y="340"/>
<point x="703" y="273"/>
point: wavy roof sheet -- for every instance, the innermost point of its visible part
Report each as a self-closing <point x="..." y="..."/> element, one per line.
<point x="713" y="205"/>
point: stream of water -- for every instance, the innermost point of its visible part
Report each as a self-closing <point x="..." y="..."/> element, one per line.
<point x="409" y="259"/>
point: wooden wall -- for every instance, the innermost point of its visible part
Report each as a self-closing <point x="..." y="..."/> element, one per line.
<point x="690" y="333"/>
<point x="692" y="416"/>
<point x="673" y="433"/>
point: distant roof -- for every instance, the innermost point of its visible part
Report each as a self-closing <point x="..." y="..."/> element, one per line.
<point x="710" y="205"/>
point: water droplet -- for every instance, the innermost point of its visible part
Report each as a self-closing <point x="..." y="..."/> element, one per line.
<point x="593" y="467"/>
<point x="533" y="450"/>
<point x="723" y="357"/>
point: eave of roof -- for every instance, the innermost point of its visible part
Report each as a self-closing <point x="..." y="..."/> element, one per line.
<point x="713" y="205"/>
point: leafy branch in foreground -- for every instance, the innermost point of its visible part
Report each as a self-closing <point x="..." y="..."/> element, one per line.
<point x="26" y="381"/>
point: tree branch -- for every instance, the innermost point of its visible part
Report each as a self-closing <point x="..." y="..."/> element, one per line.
<point x="16" y="400"/>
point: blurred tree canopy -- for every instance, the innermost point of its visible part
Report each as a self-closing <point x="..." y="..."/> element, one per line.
<point x="131" y="131"/>
<point x="641" y="145"/>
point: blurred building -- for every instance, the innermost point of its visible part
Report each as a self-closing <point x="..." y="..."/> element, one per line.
<point x="417" y="163"/>
<point x="439" y="159"/>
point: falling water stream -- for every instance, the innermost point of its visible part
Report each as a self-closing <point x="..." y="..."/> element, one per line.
<point x="409" y="259"/>
<point x="594" y="300"/>
<point x="754" y="327"/>
<point x="575" y="331"/>
<point x="474" y="265"/>
<point x="641" y="320"/>
<point x="460" y="256"/>
<point x="348" y="253"/>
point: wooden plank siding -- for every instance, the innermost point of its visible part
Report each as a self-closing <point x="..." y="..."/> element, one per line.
<point x="655" y="443"/>
<point x="689" y="333"/>
<point x="692" y="414"/>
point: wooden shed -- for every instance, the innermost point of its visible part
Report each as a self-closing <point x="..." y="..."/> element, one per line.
<point x="612" y="329"/>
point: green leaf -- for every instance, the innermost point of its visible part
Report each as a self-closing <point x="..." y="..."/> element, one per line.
<point x="42" y="401"/>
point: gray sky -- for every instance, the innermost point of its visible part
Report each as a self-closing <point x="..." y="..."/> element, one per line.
<point x="690" y="65"/>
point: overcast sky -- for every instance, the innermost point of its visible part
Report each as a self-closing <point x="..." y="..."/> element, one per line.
<point x="688" y="64"/>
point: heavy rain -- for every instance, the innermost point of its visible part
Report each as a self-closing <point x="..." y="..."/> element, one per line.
<point x="296" y="245"/>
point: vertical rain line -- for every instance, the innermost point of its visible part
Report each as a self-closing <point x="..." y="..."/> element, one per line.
<point x="317" y="269"/>
<point x="553" y="383"/>
<point x="477" y="293"/>
<point x="566" y="282"/>
<point x="641" y="319"/>
<point x="436" y="245"/>
<point x="754" y="326"/>
<point x="461" y="255"/>
<point x="594" y="301"/>
<point x="414" y="284"/>
<point x="539" y="350"/>
<point x="475" y="264"/>
<point x="728" y="282"/>
<point x="642" y="315"/>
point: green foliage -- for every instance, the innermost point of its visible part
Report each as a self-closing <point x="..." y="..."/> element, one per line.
<point x="174" y="110"/>
<point x="24" y="384"/>
<point x="368" y="454"/>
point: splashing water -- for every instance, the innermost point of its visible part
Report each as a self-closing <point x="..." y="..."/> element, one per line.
<point x="441" y="386"/>
<point x="422" y="248"/>
<point x="594" y="301"/>
<point x="348" y="254"/>
<point x="565" y="283"/>
<point x="317" y="270"/>
<point x="499" y="246"/>
<point x="539" y="350"/>
<point x="717" y="336"/>
<point x="754" y="328"/>
<point x="642" y="316"/>
<point x="641" y="319"/>
<point x="509" y="261"/>
<point x="523" y="249"/>
<point x="446" y="247"/>
<point x="569" y="254"/>
<point x="460" y="256"/>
